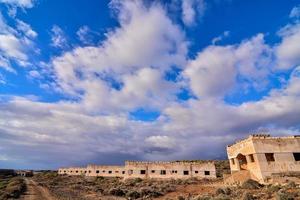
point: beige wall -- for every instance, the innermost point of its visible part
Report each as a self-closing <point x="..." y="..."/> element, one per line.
<point x="105" y="170"/>
<point x="281" y="147"/>
<point x="147" y="170"/>
<point x="171" y="169"/>
<point x="72" y="171"/>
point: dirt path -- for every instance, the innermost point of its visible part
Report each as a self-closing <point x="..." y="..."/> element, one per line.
<point x="36" y="192"/>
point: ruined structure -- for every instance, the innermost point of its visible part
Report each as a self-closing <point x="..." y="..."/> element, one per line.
<point x="25" y="173"/>
<point x="262" y="157"/>
<point x="134" y="169"/>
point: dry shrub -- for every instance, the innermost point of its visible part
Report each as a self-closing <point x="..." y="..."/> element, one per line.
<point x="226" y="191"/>
<point x="273" y="188"/>
<point x="133" y="195"/>
<point x="248" y="196"/>
<point x="13" y="189"/>
<point x="251" y="184"/>
<point x="180" y="198"/>
<point x="117" y="192"/>
<point x="282" y="195"/>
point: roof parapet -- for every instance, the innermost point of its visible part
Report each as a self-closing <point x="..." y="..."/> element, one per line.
<point x="263" y="136"/>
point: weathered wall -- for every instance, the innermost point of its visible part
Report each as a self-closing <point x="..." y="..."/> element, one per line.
<point x="170" y="170"/>
<point x="246" y="148"/>
<point x="147" y="170"/>
<point x="283" y="149"/>
<point x="105" y="170"/>
<point x="72" y="171"/>
<point x="257" y="146"/>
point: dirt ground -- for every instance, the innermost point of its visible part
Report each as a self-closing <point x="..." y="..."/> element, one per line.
<point x="35" y="192"/>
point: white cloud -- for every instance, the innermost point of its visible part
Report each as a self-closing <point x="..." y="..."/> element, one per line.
<point x="192" y="10"/>
<point x="15" y="43"/>
<point x="224" y="35"/>
<point x="27" y="125"/>
<point x="19" y="3"/>
<point x="204" y="126"/>
<point x="4" y="63"/>
<point x="34" y="74"/>
<point x="213" y="72"/>
<point x="287" y="51"/>
<point x="58" y="37"/>
<point x="295" y="12"/>
<point x="145" y="88"/>
<point x="160" y="141"/>
<point x="2" y="79"/>
<point x="26" y="29"/>
<point x="12" y="47"/>
<point x="207" y="72"/>
<point x="136" y="58"/>
<point x="4" y="158"/>
<point x="281" y="108"/>
<point x="86" y="35"/>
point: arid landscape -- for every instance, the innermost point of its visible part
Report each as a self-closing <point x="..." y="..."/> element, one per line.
<point x="48" y="185"/>
<point x="76" y="187"/>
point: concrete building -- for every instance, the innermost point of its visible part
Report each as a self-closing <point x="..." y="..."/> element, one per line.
<point x="262" y="157"/>
<point x="178" y="169"/>
<point x="133" y="169"/>
<point x="73" y="171"/>
<point x="24" y="173"/>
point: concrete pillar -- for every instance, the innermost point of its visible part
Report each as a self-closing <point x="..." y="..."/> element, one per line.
<point x="248" y="159"/>
<point x="237" y="164"/>
<point x="147" y="171"/>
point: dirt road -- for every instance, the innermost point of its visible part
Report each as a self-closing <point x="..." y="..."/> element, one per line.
<point x="36" y="192"/>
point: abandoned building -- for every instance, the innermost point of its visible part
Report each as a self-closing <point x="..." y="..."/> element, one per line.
<point x="24" y="173"/>
<point x="262" y="157"/>
<point x="135" y="169"/>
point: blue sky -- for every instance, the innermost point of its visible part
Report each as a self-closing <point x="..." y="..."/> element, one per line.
<point x="106" y="81"/>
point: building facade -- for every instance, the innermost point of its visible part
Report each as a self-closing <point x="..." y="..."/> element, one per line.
<point x="134" y="169"/>
<point x="263" y="156"/>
